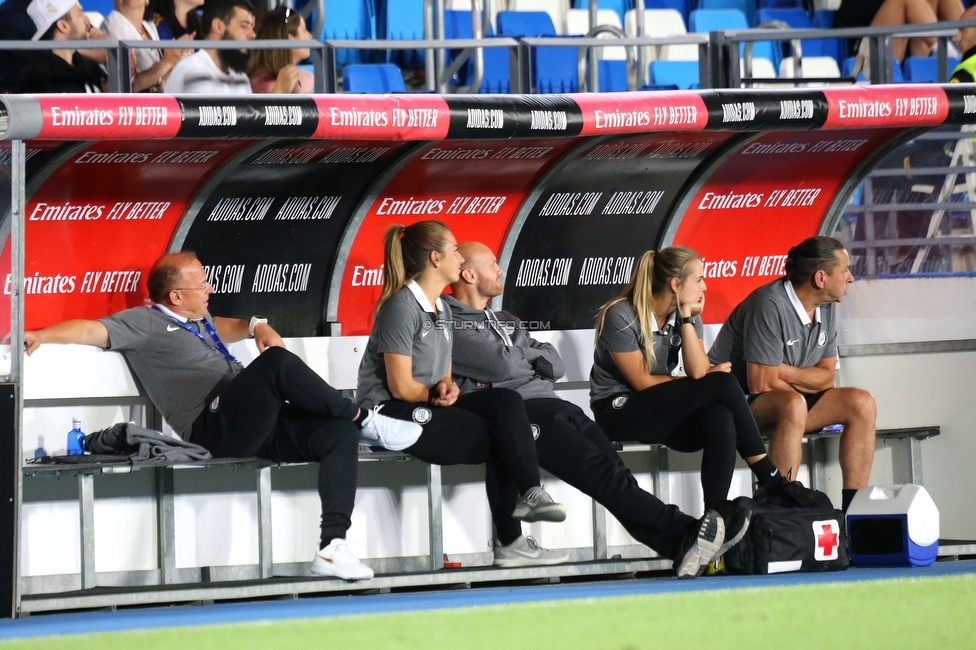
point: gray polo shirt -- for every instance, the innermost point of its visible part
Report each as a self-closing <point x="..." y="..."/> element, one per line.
<point x="178" y="369"/>
<point x="408" y="325"/>
<point x="771" y="327"/>
<point x="621" y="333"/>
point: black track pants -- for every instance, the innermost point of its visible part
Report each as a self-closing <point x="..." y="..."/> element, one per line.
<point x="708" y="414"/>
<point x="487" y="426"/>
<point x="250" y="417"/>
<point x="572" y="448"/>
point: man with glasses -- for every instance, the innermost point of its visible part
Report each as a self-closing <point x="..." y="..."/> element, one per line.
<point x="782" y="342"/>
<point x="218" y="72"/>
<point x="276" y="408"/>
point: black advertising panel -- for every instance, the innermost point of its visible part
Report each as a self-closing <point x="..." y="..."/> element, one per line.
<point x="962" y="103"/>
<point x="269" y="232"/>
<point x="251" y="116"/>
<point x="513" y="116"/>
<point x="593" y="219"/>
<point x="751" y="110"/>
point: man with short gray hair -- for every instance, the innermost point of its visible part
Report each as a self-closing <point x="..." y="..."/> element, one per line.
<point x="276" y="408"/>
<point x="782" y="342"/>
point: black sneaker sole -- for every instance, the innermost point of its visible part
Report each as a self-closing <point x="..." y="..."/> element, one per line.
<point x="711" y="535"/>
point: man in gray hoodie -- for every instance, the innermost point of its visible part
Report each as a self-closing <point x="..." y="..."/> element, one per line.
<point x="494" y="349"/>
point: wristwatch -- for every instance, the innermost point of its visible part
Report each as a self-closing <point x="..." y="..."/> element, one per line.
<point x="254" y="322"/>
<point x="686" y="321"/>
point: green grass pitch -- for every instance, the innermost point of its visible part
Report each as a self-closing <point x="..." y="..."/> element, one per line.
<point x="919" y="613"/>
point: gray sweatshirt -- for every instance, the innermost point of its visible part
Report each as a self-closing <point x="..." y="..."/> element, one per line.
<point x="481" y="356"/>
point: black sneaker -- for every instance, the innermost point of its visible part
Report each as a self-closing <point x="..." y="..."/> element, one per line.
<point x="736" y="520"/>
<point x="702" y="543"/>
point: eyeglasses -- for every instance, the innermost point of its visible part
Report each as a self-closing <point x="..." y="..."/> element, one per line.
<point x="202" y="287"/>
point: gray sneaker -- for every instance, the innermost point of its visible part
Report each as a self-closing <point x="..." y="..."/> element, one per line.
<point x="700" y="545"/>
<point x="537" y="505"/>
<point x="391" y="433"/>
<point x="525" y="551"/>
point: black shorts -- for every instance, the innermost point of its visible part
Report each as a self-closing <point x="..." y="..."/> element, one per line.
<point x="811" y="398"/>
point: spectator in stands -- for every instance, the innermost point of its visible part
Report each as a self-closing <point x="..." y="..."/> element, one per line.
<point x="881" y="13"/>
<point x="275" y="71"/>
<point x="15" y="25"/>
<point x="782" y="343"/>
<point x="176" y="18"/>
<point x="406" y="372"/>
<point x="965" y="72"/>
<point x="641" y="335"/>
<point x="493" y="349"/>
<point x="276" y="408"/>
<point x="218" y="72"/>
<point x="61" y="71"/>
<point x="127" y="23"/>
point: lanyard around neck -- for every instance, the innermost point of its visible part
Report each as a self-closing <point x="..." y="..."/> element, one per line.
<point x="217" y="343"/>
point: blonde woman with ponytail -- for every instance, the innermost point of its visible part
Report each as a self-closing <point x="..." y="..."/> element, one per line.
<point x="641" y="336"/>
<point x="406" y="372"/>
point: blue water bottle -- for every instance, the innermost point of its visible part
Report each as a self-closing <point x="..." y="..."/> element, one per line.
<point x="40" y="452"/>
<point x="76" y="439"/>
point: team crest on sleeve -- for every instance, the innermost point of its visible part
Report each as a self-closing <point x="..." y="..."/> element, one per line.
<point x="619" y="401"/>
<point x="421" y="415"/>
<point x="535" y="431"/>
<point x="822" y="339"/>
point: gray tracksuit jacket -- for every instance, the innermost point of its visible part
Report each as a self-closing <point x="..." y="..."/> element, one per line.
<point x="481" y="357"/>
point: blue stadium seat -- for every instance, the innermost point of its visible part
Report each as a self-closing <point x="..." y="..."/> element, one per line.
<point x="771" y="4"/>
<point x="620" y="6"/>
<point x="519" y="24"/>
<point x="716" y="20"/>
<point x="372" y="78"/>
<point x="104" y="7"/>
<point x="925" y="69"/>
<point x="683" y="7"/>
<point x="613" y="75"/>
<point x="349" y="20"/>
<point x="401" y="20"/>
<point x="553" y="68"/>
<point x="682" y="74"/>
<point x="794" y="18"/>
<point x="457" y="24"/>
<point x="835" y="47"/>
<point x="847" y="69"/>
<point x="747" y="7"/>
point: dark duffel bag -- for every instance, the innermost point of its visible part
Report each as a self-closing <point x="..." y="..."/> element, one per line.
<point x="792" y="529"/>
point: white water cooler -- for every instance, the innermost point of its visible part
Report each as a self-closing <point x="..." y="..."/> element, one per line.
<point x="896" y="525"/>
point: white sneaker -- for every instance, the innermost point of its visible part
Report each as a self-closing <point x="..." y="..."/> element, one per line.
<point x="337" y="560"/>
<point x="388" y="432"/>
<point x="525" y="551"/>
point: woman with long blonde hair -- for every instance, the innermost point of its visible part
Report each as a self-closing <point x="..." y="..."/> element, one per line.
<point x="406" y="372"/>
<point x="641" y="336"/>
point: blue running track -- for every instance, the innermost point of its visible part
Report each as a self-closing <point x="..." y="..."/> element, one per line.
<point x="150" y="618"/>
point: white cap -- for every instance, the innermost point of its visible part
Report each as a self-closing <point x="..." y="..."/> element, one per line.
<point x="45" y="13"/>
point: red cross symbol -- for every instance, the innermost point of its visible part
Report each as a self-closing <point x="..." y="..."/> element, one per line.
<point x="827" y="540"/>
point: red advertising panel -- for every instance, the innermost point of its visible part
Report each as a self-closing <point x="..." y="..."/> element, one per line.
<point x="772" y="193"/>
<point x="382" y="117"/>
<point x="109" y="116"/>
<point x="473" y="187"/>
<point x="910" y="105"/>
<point x="95" y="226"/>
<point x="608" y="114"/>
